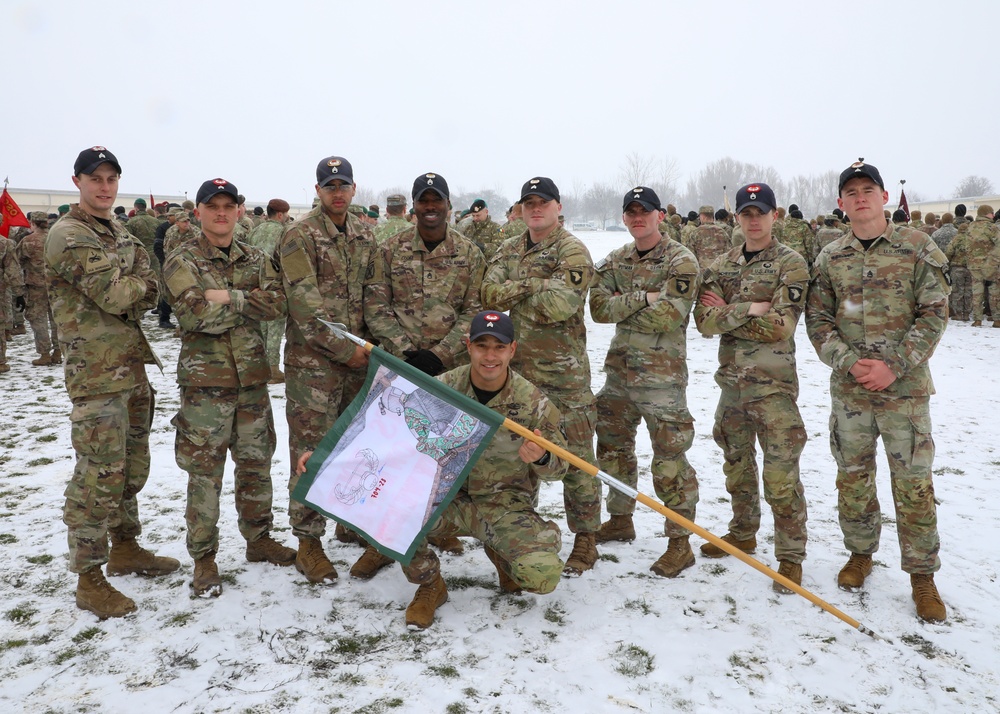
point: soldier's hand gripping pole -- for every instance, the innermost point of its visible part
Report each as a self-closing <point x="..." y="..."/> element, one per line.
<point x="642" y="498"/>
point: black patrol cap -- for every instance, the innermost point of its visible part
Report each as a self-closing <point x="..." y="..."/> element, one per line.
<point x="492" y="322"/>
<point x="430" y="182"/>
<point x="860" y="168"/>
<point x="334" y="168"/>
<point x="90" y="159"/>
<point x="544" y="188"/>
<point x="644" y="196"/>
<point x="215" y="186"/>
<point x="758" y="195"/>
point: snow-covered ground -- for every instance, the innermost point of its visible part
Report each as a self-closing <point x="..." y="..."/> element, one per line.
<point x="618" y="639"/>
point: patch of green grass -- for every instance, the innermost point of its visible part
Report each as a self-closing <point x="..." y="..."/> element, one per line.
<point x="66" y="654"/>
<point x="87" y="635"/>
<point x="732" y="605"/>
<point x="46" y="438"/>
<point x="380" y="705"/>
<point x="445" y="671"/>
<point x="179" y="620"/>
<point x="462" y="582"/>
<point x="44" y="559"/>
<point x="49" y="586"/>
<point x="639" y="605"/>
<point x="456" y="708"/>
<point x="11" y="644"/>
<point x="925" y="647"/>
<point x="228" y="578"/>
<point x="716" y="569"/>
<point x="7" y="538"/>
<point x="552" y="636"/>
<point x="949" y="470"/>
<point x="44" y="461"/>
<point x="350" y="679"/>
<point x="357" y="645"/>
<point x="610" y="557"/>
<point x="633" y="661"/>
<point x="555" y="614"/>
<point x="21" y="614"/>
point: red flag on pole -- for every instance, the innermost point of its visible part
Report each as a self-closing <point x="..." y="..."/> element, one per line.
<point x="12" y="214"/>
<point x="152" y="201"/>
<point x="903" y="205"/>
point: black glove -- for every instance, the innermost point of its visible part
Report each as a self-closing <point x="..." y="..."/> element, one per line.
<point x="19" y="303"/>
<point x="424" y="360"/>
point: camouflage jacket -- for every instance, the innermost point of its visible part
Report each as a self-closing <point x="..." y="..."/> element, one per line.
<point x="513" y="228"/>
<point x="500" y="479"/>
<point x="222" y="345"/>
<point x="668" y="229"/>
<point x="31" y="255"/>
<point x="485" y="234"/>
<point x="756" y="354"/>
<point x="797" y="235"/>
<point x="649" y="348"/>
<point x="11" y="275"/>
<point x="957" y="250"/>
<point x="143" y="226"/>
<point x="944" y="235"/>
<point x="174" y="239"/>
<point x="983" y="258"/>
<point x="708" y="242"/>
<point x="323" y="272"/>
<point x="889" y="303"/>
<point x="544" y="286"/>
<point x="823" y="237"/>
<point x="266" y="236"/>
<point x="99" y="284"/>
<point x="417" y="299"/>
<point x="392" y="226"/>
<point x="243" y="228"/>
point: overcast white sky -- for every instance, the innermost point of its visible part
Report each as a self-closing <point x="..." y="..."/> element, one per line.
<point x="488" y="94"/>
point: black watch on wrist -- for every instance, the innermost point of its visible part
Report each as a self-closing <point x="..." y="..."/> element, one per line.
<point x="544" y="459"/>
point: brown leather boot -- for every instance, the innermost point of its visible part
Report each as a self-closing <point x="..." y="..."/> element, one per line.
<point x="206" y="582"/>
<point x="95" y="593"/>
<point x="977" y="323"/>
<point x="930" y="606"/>
<point x="429" y="597"/>
<point x="678" y="557"/>
<point x="368" y="565"/>
<point x="583" y="555"/>
<point x="792" y="571"/>
<point x="267" y="550"/>
<point x="710" y="550"/>
<point x="507" y="583"/>
<point x="277" y="376"/>
<point x="617" y="528"/>
<point x="127" y="557"/>
<point x="346" y="535"/>
<point x="312" y="562"/>
<point x="44" y="360"/>
<point x="447" y="544"/>
<point x="852" y="575"/>
<point x="56" y="356"/>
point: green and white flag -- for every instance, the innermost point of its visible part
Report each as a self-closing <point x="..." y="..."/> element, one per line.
<point x="397" y="456"/>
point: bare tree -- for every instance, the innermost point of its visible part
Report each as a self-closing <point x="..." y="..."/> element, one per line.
<point x="636" y="170"/>
<point x="602" y="202"/>
<point x="972" y="186"/>
<point x="707" y="186"/>
<point x="813" y="194"/>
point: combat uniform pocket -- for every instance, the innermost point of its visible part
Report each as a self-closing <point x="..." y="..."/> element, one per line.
<point x="97" y="434"/>
<point x="197" y="435"/>
<point x="922" y="457"/>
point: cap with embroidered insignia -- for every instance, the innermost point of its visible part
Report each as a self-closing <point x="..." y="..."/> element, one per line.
<point x="492" y="322"/>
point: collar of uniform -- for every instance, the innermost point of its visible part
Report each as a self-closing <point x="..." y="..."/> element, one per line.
<point x="446" y="247"/>
<point x="735" y="253"/>
<point x="235" y="251"/>
<point x="886" y="235"/>
<point x="555" y="235"/>
<point x="655" y="252"/>
<point x="502" y="397"/>
<point x="95" y="225"/>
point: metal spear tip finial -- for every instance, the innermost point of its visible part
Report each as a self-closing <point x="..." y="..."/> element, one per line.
<point x="902" y="180"/>
<point x="861" y="159"/>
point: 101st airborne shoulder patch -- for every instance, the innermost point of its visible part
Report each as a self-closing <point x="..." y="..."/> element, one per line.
<point x="575" y="277"/>
<point x="682" y="285"/>
<point x="795" y="293"/>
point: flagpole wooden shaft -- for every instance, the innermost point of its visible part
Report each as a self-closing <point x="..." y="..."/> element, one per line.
<point x="655" y="505"/>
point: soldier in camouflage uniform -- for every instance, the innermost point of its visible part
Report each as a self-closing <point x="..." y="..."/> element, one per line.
<point x="324" y="257"/>
<point x="957" y="253"/>
<point x="514" y="226"/>
<point x="143" y="226"/>
<point x="243" y="225"/>
<point x="647" y="289"/>
<point x="265" y="237"/>
<point x="542" y="277"/>
<point x="830" y="232"/>
<point x="881" y="383"/>
<point x="221" y="290"/>
<point x="395" y="211"/>
<point x="797" y="234"/>
<point x="983" y="261"/>
<point x="944" y="235"/>
<point x="11" y="283"/>
<point x="182" y="231"/>
<point x="496" y="503"/>
<point x="31" y="255"/>
<point x="753" y="297"/>
<point x="100" y="284"/>
<point x="483" y="230"/>
<point x="709" y="240"/>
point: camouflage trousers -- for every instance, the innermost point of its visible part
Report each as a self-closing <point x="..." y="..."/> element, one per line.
<point x="314" y="398"/>
<point x="211" y="421"/>
<point x="110" y="435"/>
<point x="979" y="290"/>
<point x="671" y="431"/>
<point x="904" y="423"/>
<point x="273" y="331"/>
<point x="961" y="291"/>
<point x="528" y="544"/>
<point x="773" y="421"/>
<point x="7" y="310"/>
<point x="581" y="491"/>
<point x="39" y="316"/>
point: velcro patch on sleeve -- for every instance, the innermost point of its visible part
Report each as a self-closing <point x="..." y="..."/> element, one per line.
<point x="295" y="264"/>
<point x="95" y="261"/>
<point x="179" y="277"/>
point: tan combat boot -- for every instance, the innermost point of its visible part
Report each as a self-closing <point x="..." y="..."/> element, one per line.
<point x="267" y="550"/>
<point x="678" y="557"/>
<point x="128" y="557"/>
<point x="429" y="597"/>
<point x="43" y="361"/>
<point x="507" y="583"/>
<point x="930" y="606"/>
<point x="710" y="550"/>
<point x="619" y="528"/>
<point x="346" y="535"/>
<point x="852" y="575"/>
<point x="368" y="565"/>
<point x="447" y="544"/>
<point x="792" y="571"/>
<point x="206" y="582"/>
<point x="277" y="376"/>
<point x="977" y="323"/>
<point x="583" y="555"/>
<point x="312" y="562"/>
<point x="56" y="356"/>
<point x="96" y="594"/>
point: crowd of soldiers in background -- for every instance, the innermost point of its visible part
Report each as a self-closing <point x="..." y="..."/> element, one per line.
<point x="972" y="245"/>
